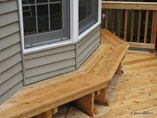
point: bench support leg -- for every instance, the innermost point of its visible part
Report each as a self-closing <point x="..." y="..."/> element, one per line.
<point x="86" y="104"/>
<point x="119" y="70"/>
<point x="47" y="114"/>
<point x="101" y="98"/>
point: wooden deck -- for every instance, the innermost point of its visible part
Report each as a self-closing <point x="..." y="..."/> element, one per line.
<point x="136" y="90"/>
<point x="133" y="92"/>
<point x="83" y="87"/>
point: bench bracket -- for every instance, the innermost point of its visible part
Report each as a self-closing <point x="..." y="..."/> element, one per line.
<point x="101" y="98"/>
<point x="86" y="104"/>
<point x="119" y="70"/>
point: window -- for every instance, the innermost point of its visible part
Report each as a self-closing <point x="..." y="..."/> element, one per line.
<point x="45" y="21"/>
<point x="88" y="14"/>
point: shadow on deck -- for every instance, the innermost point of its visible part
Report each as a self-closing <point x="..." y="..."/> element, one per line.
<point x="133" y="92"/>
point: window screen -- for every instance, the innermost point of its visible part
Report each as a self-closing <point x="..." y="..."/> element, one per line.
<point x="45" y="21"/>
<point x="88" y="14"/>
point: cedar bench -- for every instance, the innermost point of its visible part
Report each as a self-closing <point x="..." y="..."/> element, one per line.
<point x="84" y="87"/>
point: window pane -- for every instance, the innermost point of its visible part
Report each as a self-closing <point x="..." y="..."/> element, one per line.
<point x="56" y="16"/>
<point x="28" y="2"/>
<point x="88" y="14"/>
<point x="42" y="1"/>
<point x="42" y="18"/>
<point x="55" y="0"/>
<point x="29" y="20"/>
<point x="85" y="9"/>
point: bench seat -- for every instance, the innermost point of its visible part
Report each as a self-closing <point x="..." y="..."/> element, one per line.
<point x="84" y="87"/>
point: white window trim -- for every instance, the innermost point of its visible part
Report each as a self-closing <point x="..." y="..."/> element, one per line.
<point x="74" y="28"/>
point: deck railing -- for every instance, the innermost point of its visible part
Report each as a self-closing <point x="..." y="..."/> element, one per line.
<point x="124" y="7"/>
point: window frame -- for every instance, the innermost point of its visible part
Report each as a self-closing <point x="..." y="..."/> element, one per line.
<point x="49" y="36"/>
<point x="87" y="20"/>
<point x="74" y="29"/>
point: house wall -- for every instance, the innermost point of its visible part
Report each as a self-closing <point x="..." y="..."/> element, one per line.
<point x="52" y="62"/>
<point x="48" y="63"/>
<point x="87" y="46"/>
<point x="11" y="76"/>
<point x="37" y="66"/>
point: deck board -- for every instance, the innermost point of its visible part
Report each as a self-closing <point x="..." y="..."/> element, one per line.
<point x="134" y="91"/>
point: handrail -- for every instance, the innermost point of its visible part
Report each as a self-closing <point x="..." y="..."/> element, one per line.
<point x="130" y="5"/>
<point x="139" y="7"/>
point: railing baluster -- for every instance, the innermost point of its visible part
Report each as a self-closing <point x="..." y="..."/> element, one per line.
<point x="146" y="27"/>
<point x="132" y="26"/>
<point x="119" y="22"/>
<point x="154" y="30"/>
<point x="139" y="26"/>
<point x="101" y="18"/>
<point x="125" y="26"/>
<point x="106" y="19"/>
<point x="113" y="16"/>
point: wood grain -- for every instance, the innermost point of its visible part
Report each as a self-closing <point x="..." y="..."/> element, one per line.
<point x="135" y="91"/>
<point x="146" y="27"/>
<point x="129" y="5"/>
<point x="141" y="45"/>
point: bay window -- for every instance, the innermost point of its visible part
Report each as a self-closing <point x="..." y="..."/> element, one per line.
<point x="57" y="22"/>
<point x="45" y="21"/>
<point x="88" y="14"/>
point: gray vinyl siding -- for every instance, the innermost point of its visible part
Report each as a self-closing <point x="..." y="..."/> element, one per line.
<point x="9" y="40"/>
<point x="8" y="18"/>
<point x="39" y="65"/>
<point x="9" y="62"/>
<point x="11" y="76"/>
<point x="87" y="46"/>
<point x="10" y="51"/>
<point x="49" y="75"/>
<point x="52" y="62"/>
<point x="10" y="72"/>
<point x="49" y="63"/>
<point x="9" y="29"/>
<point x="8" y="6"/>
<point x="10" y="83"/>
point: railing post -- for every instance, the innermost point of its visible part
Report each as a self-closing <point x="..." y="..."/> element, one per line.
<point x="154" y="30"/>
